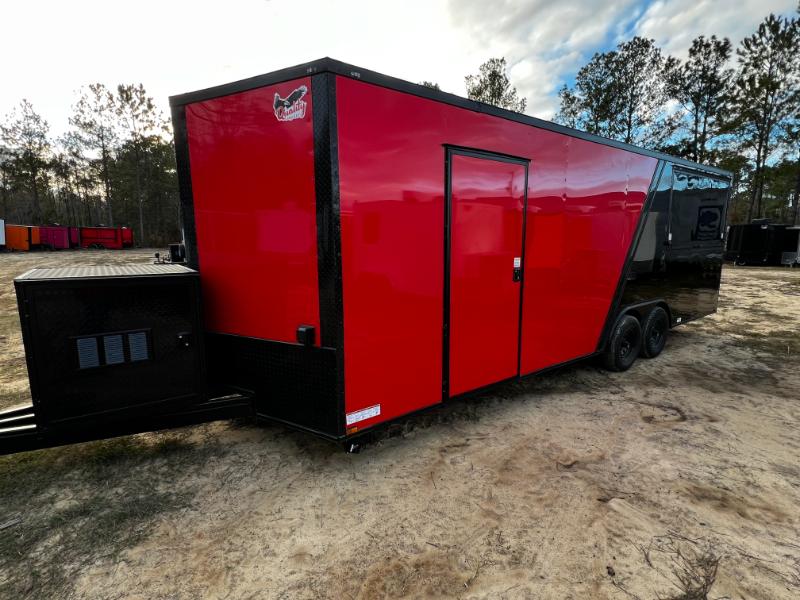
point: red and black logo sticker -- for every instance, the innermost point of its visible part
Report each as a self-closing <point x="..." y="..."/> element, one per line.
<point x="292" y="107"/>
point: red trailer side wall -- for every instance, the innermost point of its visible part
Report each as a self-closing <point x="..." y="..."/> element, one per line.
<point x="584" y="200"/>
<point x="127" y="237"/>
<point x="35" y="235"/>
<point x="75" y="237"/>
<point x="255" y="212"/>
<point x="55" y="237"/>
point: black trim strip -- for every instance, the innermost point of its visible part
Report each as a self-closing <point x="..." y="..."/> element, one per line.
<point x="611" y="316"/>
<point x="323" y="94"/>
<point x="329" y="65"/>
<point x="522" y="271"/>
<point x="446" y="284"/>
<point x="487" y="154"/>
<point x="329" y="233"/>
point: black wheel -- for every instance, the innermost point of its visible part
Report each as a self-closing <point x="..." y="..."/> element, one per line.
<point x="654" y="332"/>
<point x="624" y="345"/>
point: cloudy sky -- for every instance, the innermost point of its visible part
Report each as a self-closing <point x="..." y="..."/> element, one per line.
<point x="49" y="49"/>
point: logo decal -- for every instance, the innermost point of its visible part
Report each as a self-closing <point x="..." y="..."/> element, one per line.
<point x="708" y="222"/>
<point x="292" y="107"/>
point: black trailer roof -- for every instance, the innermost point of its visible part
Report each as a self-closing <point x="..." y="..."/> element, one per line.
<point x="329" y="65"/>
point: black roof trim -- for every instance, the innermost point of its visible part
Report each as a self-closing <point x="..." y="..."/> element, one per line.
<point x="329" y="65"/>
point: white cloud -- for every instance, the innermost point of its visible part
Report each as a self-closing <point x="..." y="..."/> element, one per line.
<point x="674" y="24"/>
<point x="49" y="49"/>
<point x="541" y="39"/>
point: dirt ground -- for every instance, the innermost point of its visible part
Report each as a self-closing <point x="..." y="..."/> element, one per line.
<point x="677" y="479"/>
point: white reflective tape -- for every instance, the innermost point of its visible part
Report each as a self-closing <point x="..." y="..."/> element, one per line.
<point x="363" y="414"/>
<point x="517" y="262"/>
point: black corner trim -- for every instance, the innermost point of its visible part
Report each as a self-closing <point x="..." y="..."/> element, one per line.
<point x="329" y="248"/>
<point x="613" y="309"/>
<point x="185" y="186"/>
<point x="326" y="178"/>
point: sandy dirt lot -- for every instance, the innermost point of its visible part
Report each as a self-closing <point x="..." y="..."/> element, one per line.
<point x="677" y="479"/>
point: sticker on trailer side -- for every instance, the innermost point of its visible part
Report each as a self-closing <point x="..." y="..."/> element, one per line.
<point x="363" y="414"/>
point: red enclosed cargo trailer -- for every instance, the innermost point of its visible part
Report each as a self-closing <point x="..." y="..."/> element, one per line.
<point x="109" y="238"/>
<point x="18" y="237"/>
<point x="54" y="237"/>
<point x="369" y="247"/>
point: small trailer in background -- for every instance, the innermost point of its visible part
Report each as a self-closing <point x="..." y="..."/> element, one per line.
<point x="368" y="248"/>
<point x="762" y="243"/>
<point x="18" y="237"/>
<point x="109" y="238"/>
<point x="54" y="237"/>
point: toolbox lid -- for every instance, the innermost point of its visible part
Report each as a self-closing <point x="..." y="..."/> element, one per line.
<point x="79" y="272"/>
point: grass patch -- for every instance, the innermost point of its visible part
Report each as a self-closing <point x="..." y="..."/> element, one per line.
<point x="83" y="503"/>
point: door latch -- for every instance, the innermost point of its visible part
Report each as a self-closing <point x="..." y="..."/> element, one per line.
<point x="517" y="269"/>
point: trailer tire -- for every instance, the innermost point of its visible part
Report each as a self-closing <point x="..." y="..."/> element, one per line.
<point x="654" y="332"/>
<point x="624" y="345"/>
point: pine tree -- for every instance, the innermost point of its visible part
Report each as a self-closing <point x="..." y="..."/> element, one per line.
<point x="765" y="95"/>
<point x="25" y="135"/>
<point x="621" y="95"/>
<point x="491" y="85"/>
<point x="94" y="119"/>
<point x="701" y="87"/>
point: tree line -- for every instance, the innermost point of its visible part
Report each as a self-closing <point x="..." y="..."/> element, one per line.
<point x="115" y="165"/>
<point x="738" y="109"/>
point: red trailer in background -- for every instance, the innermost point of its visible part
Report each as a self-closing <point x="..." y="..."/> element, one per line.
<point x="18" y="237"/>
<point x="74" y="237"/>
<point x="127" y="237"/>
<point x="109" y="238"/>
<point x="54" y="237"/>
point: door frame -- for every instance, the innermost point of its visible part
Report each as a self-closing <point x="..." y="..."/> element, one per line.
<point x="451" y="150"/>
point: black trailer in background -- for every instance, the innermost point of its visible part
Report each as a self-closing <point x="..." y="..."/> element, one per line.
<point x="763" y="243"/>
